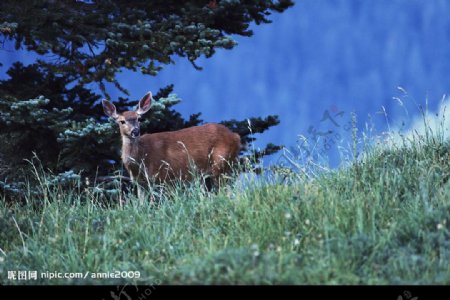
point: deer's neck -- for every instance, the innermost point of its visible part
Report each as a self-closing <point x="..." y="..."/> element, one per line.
<point x="130" y="150"/>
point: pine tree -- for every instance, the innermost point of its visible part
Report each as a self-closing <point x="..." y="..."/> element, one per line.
<point x="47" y="110"/>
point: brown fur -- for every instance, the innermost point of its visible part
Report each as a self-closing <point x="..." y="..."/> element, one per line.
<point x="165" y="156"/>
<point x="169" y="155"/>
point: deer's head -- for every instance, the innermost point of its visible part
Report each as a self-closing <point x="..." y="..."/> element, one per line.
<point x="129" y="120"/>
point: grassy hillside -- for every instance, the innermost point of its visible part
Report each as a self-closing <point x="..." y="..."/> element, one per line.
<point x="382" y="220"/>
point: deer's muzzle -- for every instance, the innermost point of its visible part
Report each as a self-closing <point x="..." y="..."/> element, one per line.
<point x="135" y="133"/>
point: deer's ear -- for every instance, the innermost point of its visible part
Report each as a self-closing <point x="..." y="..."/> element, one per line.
<point x="144" y="104"/>
<point x="109" y="109"/>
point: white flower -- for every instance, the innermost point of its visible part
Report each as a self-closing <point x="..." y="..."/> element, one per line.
<point x="296" y="242"/>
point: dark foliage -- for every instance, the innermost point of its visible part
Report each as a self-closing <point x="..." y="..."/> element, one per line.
<point x="47" y="109"/>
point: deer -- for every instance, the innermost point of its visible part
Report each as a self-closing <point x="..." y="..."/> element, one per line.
<point x="165" y="156"/>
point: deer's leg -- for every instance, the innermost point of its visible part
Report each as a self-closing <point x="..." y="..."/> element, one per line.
<point x="220" y="167"/>
<point x="140" y="193"/>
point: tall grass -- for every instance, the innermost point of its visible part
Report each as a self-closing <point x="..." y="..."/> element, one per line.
<point x="383" y="219"/>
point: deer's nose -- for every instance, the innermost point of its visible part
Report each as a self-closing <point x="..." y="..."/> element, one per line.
<point x="135" y="132"/>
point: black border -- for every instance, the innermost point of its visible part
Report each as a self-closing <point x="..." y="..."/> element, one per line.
<point x="131" y="292"/>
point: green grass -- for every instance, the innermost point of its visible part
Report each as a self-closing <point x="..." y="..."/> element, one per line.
<point x="381" y="220"/>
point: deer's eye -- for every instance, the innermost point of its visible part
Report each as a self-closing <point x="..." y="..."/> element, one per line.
<point x="122" y="122"/>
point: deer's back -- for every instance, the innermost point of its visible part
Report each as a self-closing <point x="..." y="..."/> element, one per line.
<point x="169" y="154"/>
